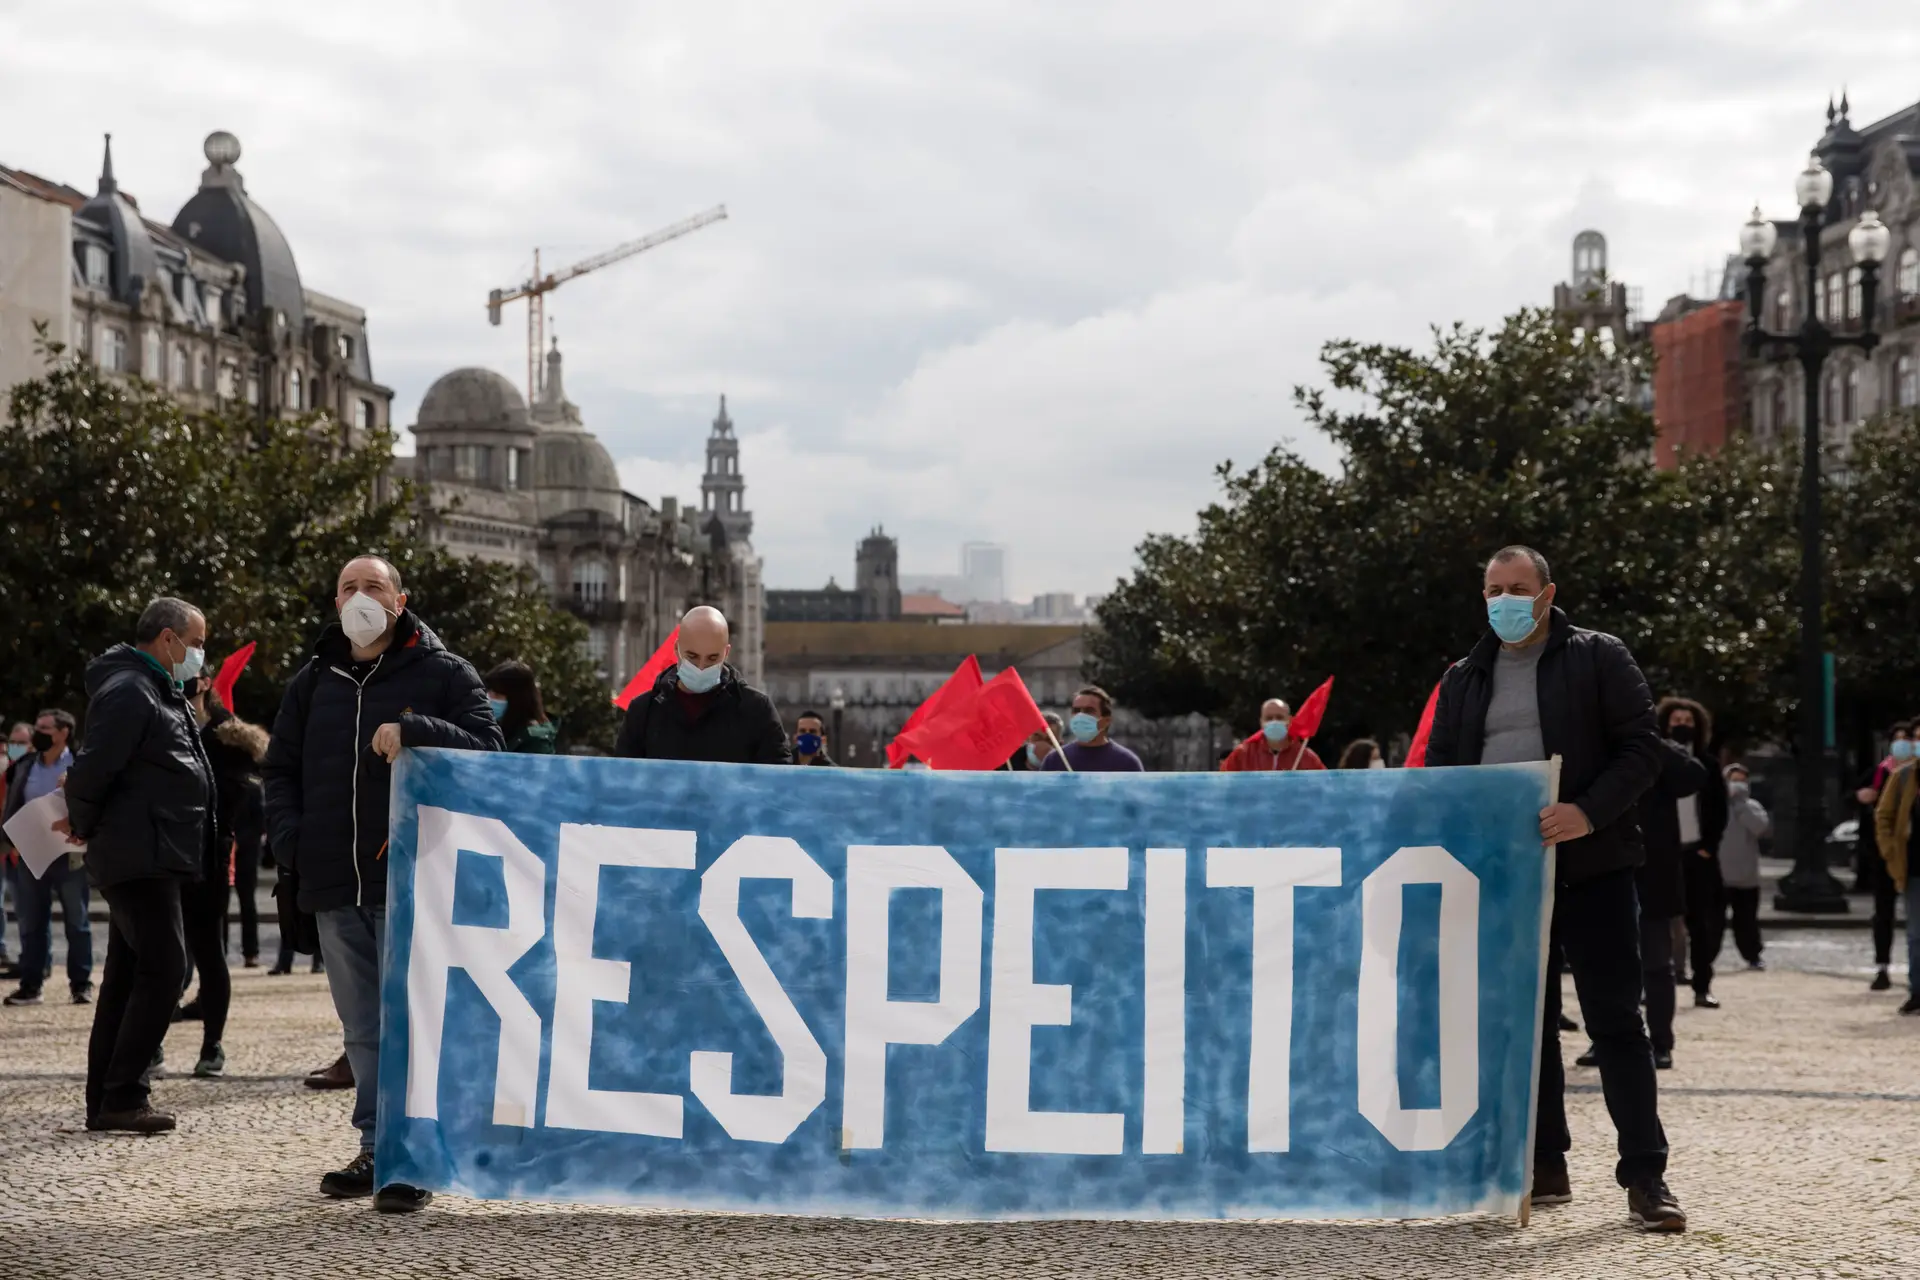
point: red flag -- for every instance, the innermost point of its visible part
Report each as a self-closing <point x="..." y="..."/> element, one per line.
<point x="1306" y="721"/>
<point x="1417" y="753"/>
<point x="959" y="687"/>
<point x="980" y="732"/>
<point x="663" y="657"/>
<point x="230" y="673"/>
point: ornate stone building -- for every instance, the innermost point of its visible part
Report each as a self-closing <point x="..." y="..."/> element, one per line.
<point x="875" y="596"/>
<point x="210" y="306"/>
<point x="1876" y="168"/>
<point x="536" y="488"/>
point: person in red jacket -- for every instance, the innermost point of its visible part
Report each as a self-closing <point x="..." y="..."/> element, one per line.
<point x="1271" y="748"/>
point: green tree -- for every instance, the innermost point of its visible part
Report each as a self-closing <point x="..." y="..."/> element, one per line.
<point x="1370" y="573"/>
<point x="112" y="493"/>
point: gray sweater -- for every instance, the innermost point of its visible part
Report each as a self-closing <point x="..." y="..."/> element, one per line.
<point x="1747" y="821"/>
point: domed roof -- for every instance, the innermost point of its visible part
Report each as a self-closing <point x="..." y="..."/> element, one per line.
<point x="574" y="460"/>
<point x="221" y="219"/>
<point x="473" y="400"/>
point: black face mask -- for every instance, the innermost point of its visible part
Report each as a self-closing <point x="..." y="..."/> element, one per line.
<point x="1681" y="733"/>
<point x="42" y="742"/>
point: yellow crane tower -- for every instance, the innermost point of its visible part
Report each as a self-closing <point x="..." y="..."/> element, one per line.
<point x="535" y="289"/>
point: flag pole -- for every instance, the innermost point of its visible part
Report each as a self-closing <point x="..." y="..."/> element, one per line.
<point x="1064" y="762"/>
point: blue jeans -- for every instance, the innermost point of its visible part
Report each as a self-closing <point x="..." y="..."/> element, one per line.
<point x="33" y="903"/>
<point x="351" y="938"/>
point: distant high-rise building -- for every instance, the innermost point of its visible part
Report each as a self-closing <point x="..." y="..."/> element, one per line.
<point x="984" y="566"/>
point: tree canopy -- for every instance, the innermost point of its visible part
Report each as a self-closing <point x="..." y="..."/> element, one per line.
<point x="1521" y="434"/>
<point x="112" y="493"/>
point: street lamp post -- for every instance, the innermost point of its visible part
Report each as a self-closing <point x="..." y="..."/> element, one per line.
<point x="839" y="706"/>
<point x="1810" y="886"/>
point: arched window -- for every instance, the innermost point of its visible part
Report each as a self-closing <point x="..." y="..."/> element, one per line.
<point x="1850" y="396"/>
<point x="182" y="368"/>
<point x="1853" y="293"/>
<point x="1830" y="410"/>
<point x="1906" y="381"/>
<point x="150" y="367"/>
<point x="1909" y="282"/>
<point x="590" y="581"/>
<point x="294" y="390"/>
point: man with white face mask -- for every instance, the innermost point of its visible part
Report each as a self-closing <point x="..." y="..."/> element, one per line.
<point x="700" y="709"/>
<point x="378" y="681"/>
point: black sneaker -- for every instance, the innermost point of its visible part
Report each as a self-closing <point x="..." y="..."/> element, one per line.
<point x="142" y="1119"/>
<point x="1912" y="1006"/>
<point x="23" y="996"/>
<point x="398" y="1197"/>
<point x="1705" y="1000"/>
<point x="1663" y="1059"/>
<point x="83" y="995"/>
<point x="212" y="1064"/>
<point x="1881" y="982"/>
<point x="352" y="1182"/>
<point x="1653" y="1207"/>
<point x="1550" y="1186"/>
<point x="1757" y="965"/>
<point x="1591" y="1058"/>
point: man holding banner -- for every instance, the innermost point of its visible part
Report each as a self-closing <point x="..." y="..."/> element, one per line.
<point x="1537" y="686"/>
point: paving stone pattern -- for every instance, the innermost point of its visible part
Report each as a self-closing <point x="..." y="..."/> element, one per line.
<point x="1794" y="1115"/>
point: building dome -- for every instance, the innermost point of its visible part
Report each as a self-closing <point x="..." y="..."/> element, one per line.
<point x="576" y="461"/>
<point x="473" y="400"/>
<point x="221" y="219"/>
<point x="135" y="264"/>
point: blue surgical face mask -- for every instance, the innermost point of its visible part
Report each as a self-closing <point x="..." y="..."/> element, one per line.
<point x="1901" y="749"/>
<point x="1511" y="617"/>
<point x="809" y="744"/>
<point x="700" y="680"/>
<point x="499" y="707"/>
<point x="1083" y="727"/>
<point x="1276" y="731"/>
<point x="15" y="750"/>
<point x="1034" y="757"/>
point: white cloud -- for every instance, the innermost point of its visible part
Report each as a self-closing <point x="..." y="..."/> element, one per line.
<point x="994" y="269"/>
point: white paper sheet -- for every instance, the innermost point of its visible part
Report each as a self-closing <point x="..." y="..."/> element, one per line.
<point x="32" y="833"/>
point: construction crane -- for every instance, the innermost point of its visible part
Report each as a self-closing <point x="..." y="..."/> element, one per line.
<point x="535" y="289"/>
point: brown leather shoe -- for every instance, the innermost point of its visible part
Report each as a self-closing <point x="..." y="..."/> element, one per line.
<point x="337" y="1076"/>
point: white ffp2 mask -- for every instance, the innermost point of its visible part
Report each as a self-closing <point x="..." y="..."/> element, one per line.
<point x="363" y="618"/>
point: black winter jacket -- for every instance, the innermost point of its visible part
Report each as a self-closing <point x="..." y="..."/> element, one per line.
<point x="327" y="789"/>
<point x="1596" y="714"/>
<point x="236" y="777"/>
<point x="1660" y="879"/>
<point x="141" y="792"/>
<point x="739" y="725"/>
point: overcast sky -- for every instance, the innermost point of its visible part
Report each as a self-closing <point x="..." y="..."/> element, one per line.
<point x="1016" y="271"/>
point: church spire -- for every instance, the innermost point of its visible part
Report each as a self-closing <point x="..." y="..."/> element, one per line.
<point x="552" y="392"/>
<point x="107" y="185"/>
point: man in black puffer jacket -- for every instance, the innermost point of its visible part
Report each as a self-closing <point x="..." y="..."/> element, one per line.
<point x="1534" y="687"/>
<point x="141" y="794"/>
<point x="378" y="681"/>
<point x="701" y="709"/>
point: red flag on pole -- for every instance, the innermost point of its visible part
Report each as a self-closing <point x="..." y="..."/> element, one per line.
<point x="230" y="673"/>
<point x="1306" y="721"/>
<point x="1417" y="753"/>
<point x="982" y="731"/>
<point x="663" y="657"/>
<point x="960" y="686"/>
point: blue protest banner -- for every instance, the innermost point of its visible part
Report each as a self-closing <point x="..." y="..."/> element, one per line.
<point x="963" y="995"/>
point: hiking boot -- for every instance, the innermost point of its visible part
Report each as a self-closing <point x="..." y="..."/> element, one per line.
<point x="337" y="1076"/>
<point x="213" y="1062"/>
<point x="1550" y="1186"/>
<point x="83" y="994"/>
<point x="1705" y="1000"/>
<point x="1653" y="1207"/>
<point x="1912" y="1006"/>
<point x="1881" y="982"/>
<point x="398" y="1197"/>
<point x="352" y="1182"/>
<point x="23" y="996"/>
<point x="142" y="1119"/>
<point x="1591" y="1058"/>
<point x="1663" y="1059"/>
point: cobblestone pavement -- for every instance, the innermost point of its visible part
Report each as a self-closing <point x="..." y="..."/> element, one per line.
<point x="1794" y="1115"/>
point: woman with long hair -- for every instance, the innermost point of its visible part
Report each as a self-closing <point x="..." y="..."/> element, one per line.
<point x="515" y="697"/>
<point x="1362" y="753"/>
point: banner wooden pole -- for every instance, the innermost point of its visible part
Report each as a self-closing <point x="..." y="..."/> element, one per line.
<point x="1548" y="863"/>
<point x="1059" y="750"/>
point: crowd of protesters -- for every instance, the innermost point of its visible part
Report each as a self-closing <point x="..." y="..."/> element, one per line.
<point x="175" y="805"/>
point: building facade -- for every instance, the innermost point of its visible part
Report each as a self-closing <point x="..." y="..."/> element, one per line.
<point x="1699" y="380"/>
<point x="534" y="487"/>
<point x="210" y="307"/>
<point x="875" y="596"/>
<point x="1876" y="168"/>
